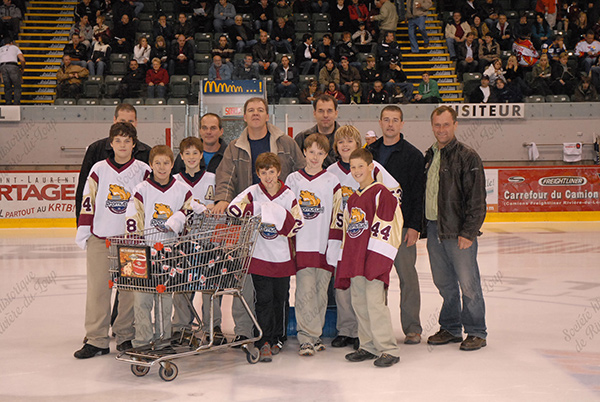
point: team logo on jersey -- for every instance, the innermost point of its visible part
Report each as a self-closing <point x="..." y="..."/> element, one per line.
<point x="161" y="213"/>
<point x="310" y="204"/>
<point x="268" y="231"/>
<point x="357" y="223"/>
<point x="346" y="193"/>
<point x="117" y="199"/>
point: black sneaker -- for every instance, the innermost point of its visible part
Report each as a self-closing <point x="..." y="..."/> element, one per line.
<point x="219" y="338"/>
<point x="340" y="341"/>
<point x="473" y="343"/>
<point x="88" y="351"/>
<point x="443" y="337"/>
<point x="355" y="343"/>
<point x="386" y="360"/>
<point x="239" y="338"/>
<point x="360" y="355"/>
<point x="123" y="346"/>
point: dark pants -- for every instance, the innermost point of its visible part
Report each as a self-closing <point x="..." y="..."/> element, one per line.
<point x="11" y="75"/>
<point x="66" y="90"/>
<point x="272" y="295"/>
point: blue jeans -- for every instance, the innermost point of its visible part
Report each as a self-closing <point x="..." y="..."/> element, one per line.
<point x="406" y="87"/>
<point x="451" y="49"/>
<point x="413" y="25"/>
<point x="96" y="69"/>
<point x="455" y="271"/>
<point x="157" y="91"/>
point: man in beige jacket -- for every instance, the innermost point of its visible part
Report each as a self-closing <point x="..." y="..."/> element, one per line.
<point x="69" y="77"/>
<point x="387" y="17"/>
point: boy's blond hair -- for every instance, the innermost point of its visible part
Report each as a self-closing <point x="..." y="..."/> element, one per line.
<point x="160" y="150"/>
<point x="362" y="153"/>
<point x="347" y="131"/>
<point x="267" y="160"/>
<point x="190" y="142"/>
<point x="319" y="139"/>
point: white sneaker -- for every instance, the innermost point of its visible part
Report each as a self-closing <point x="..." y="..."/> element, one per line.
<point x="306" y="349"/>
<point x="319" y="346"/>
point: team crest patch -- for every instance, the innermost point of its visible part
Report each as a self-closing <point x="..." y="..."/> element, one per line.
<point x="310" y="204"/>
<point x="268" y="231"/>
<point x="162" y="212"/>
<point x="346" y="193"/>
<point x="357" y="223"/>
<point x="117" y="199"/>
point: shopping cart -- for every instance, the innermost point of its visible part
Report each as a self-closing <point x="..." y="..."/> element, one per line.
<point x="212" y="256"/>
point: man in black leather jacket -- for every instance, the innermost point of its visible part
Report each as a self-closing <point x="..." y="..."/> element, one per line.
<point x="454" y="212"/>
<point x="405" y="163"/>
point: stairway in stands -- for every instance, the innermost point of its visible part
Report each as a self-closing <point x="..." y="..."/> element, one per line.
<point x="44" y="33"/>
<point x="435" y="59"/>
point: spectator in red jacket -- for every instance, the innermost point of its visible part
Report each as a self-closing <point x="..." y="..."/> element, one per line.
<point x="157" y="79"/>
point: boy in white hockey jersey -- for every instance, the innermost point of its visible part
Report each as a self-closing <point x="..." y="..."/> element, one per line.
<point x="202" y="184"/>
<point x="159" y="202"/>
<point x="106" y="196"/>
<point x="372" y="234"/>
<point x="272" y="263"/>
<point x="347" y="139"/>
<point x="319" y="194"/>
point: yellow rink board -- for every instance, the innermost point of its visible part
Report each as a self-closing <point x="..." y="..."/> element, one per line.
<point x="490" y="218"/>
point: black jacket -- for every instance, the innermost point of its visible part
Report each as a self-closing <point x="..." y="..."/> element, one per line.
<point x="99" y="151"/>
<point x="461" y="196"/>
<point x="407" y="165"/>
<point x="179" y="166"/>
<point x="332" y="156"/>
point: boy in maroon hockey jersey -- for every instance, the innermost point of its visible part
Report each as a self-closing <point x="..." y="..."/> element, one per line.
<point x="372" y="234"/>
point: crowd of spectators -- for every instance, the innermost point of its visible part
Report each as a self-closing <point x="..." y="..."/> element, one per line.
<point x="252" y="38"/>
<point x="545" y="50"/>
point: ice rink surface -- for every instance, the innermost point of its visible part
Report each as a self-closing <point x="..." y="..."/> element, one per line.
<point x="541" y="284"/>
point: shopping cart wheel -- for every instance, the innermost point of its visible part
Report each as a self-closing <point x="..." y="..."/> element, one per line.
<point x="139" y="371"/>
<point x="168" y="371"/>
<point x="252" y="354"/>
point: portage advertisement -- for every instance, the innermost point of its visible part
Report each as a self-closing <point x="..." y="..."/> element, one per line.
<point x="33" y="194"/>
<point x="547" y="189"/>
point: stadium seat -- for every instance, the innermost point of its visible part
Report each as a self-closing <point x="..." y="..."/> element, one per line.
<point x="179" y="86"/>
<point x="134" y="101"/>
<point x="289" y="101"/>
<point x="321" y="26"/>
<point x="534" y="99"/>
<point x="149" y="7"/>
<point x="302" y="26"/>
<point x="238" y="58"/>
<point x="306" y="78"/>
<point x="203" y="46"/>
<point x="196" y="82"/>
<point x="167" y="7"/>
<point x="206" y="36"/>
<point x="111" y="84"/>
<point x="177" y="101"/>
<point x="145" y="26"/>
<point x="65" y="101"/>
<point x="471" y="77"/>
<point x="119" y="62"/>
<point x="511" y="15"/>
<point x="92" y="87"/>
<point x="203" y="57"/>
<point x="155" y="101"/>
<point x="201" y="68"/>
<point x="301" y="17"/>
<point x="557" y="98"/>
<point x="88" y="101"/>
<point x="110" y="101"/>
